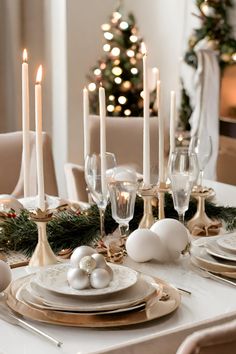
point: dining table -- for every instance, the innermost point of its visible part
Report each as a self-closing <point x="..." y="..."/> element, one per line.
<point x="211" y="302"/>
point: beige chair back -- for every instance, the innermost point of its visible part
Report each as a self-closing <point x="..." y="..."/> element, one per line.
<point x="226" y="164"/>
<point x="219" y="339"/>
<point x="11" y="171"/>
<point x="124" y="137"/>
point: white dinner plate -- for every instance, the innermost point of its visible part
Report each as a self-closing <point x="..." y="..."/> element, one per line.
<point x="142" y="290"/>
<point x="215" y="264"/>
<point x="54" y="279"/>
<point x="228" y="243"/>
<point x="213" y="248"/>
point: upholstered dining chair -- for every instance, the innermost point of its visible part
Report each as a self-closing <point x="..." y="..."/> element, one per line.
<point x="226" y="172"/>
<point x="220" y="339"/>
<point x="11" y="173"/>
<point x="124" y="137"/>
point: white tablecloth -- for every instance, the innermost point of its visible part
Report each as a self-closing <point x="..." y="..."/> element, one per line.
<point x="210" y="302"/>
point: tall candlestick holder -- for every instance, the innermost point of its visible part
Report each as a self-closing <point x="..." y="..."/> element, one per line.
<point x="147" y="193"/>
<point x="201" y="224"/>
<point x="161" y="189"/>
<point x="43" y="254"/>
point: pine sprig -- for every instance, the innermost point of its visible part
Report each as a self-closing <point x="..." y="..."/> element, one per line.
<point x="70" y="229"/>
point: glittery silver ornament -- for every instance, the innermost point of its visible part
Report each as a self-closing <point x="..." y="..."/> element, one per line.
<point x="88" y="264"/>
<point x="79" y="253"/>
<point x="78" y="279"/>
<point x="99" y="278"/>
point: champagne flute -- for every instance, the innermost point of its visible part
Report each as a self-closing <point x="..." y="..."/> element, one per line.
<point x="122" y="196"/>
<point x="202" y="146"/>
<point x="95" y="182"/>
<point x="183" y="173"/>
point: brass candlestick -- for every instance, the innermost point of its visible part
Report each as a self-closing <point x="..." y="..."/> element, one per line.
<point x="161" y="189"/>
<point x="43" y="254"/>
<point x="201" y="224"/>
<point x="147" y="193"/>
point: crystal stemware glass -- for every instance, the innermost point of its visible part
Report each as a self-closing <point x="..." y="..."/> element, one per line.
<point x="122" y="196"/>
<point x="183" y="173"/>
<point x="202" y="146"/>
<point x="96" y="184"/>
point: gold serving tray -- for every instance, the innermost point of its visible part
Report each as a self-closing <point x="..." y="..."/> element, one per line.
<point x="154" y="310"/>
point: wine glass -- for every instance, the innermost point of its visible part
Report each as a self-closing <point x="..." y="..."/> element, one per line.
<point x="122" y="196"/>
<point x="97" y="182"/>
<point x="202" y="146"/>
<point x="183" y="173"/>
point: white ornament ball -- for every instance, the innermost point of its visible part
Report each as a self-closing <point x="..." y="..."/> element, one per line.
<point x="100" y="260"/>
<point x="5" y="275"/>
<point x="79" y="253"/>
<point x="9" y="202"/>
<point x="88" y="264"/>
<point x="173" y="235"/>
<point x="123" y="173"/>
<point x="78" y="278"/>
<point x="100" y="278"/>
<point x="143" y="245"/>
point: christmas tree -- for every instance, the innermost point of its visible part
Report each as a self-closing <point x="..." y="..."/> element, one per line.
<point x="120" y="70"/>
<point x="218" y="33"/>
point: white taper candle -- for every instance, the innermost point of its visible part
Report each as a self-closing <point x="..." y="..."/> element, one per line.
<point x="102" y="112"/>
<point x="161" y="136"/>
<point x="39" y="139"/>
<point x="146" y="121"/>
<point x="86" y="122"/>
<point x="25" y="125"/>
<point x="172" y="120"/>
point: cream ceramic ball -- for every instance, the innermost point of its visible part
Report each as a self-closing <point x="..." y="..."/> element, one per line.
<point x="143" y="245"/>
<point x="9" y="202"/>
<point x="5" y="275"/>
<point x="79" y="253"/>
<point x="173" y="236"/>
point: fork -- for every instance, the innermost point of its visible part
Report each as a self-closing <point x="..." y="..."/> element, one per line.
<point x="7" y="315"/>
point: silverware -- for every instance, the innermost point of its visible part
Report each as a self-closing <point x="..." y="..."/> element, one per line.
<point x="207" y="274"/>
<point x="8" y="316"/>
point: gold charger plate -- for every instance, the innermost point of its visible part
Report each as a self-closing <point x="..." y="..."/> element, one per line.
<point x="154" y="309"/>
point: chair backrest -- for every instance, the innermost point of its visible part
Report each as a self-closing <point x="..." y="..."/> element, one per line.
<point x="11" y="172"/>
<point x="125" y="139"/>
<point x="214" y="340"/>
<point x="75" y="182"/>
<point x="226" y="172"/>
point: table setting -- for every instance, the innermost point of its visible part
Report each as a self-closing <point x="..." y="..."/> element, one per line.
<point x="127" y="269"/>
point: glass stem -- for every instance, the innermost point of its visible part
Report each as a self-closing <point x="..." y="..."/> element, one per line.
<point x="181" y="218"/>
<point x="201" y="177"/>
<point x="123" y="229"/>
<point x="102" y="228"/>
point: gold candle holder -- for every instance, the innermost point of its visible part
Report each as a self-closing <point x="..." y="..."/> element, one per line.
<point x="43" y="254"/>
<point x="161" y="189"/>
<point x="200" y="220"/>
<point x="147" y="193"/>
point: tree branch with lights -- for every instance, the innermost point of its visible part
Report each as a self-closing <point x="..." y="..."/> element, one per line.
<point x="216" y="30"/>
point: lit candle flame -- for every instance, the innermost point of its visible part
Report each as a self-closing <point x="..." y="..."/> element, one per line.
<point x="25" y="56"/>
<point x="39" y="75"/>
<point x="143" y="48"/>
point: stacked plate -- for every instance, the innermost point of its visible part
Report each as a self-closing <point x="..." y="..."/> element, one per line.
<point x="130" y="298"/>
<point x="216" y="254"/>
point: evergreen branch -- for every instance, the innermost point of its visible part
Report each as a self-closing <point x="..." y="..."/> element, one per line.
<point x="69" y="229"/>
